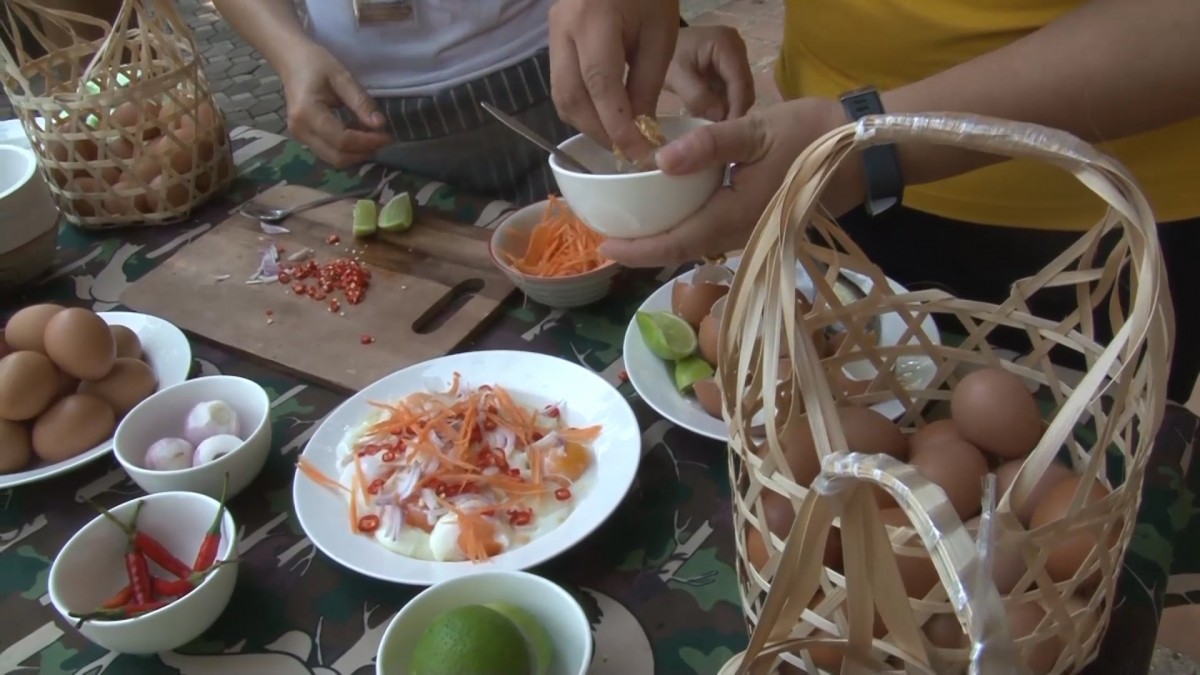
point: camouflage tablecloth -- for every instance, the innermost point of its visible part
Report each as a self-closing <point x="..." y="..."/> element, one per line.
<point x="657" y="579"/>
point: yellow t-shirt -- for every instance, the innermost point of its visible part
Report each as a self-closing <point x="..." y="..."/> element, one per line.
<point x="833" y="46"/>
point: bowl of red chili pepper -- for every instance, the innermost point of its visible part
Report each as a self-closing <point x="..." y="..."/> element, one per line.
<point x="212" y="427"/>
<point x="149" y="575"/>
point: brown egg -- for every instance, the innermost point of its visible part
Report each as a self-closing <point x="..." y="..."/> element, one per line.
<point x="66" y="384"/>
<point x="693" y="301"/>
<point x="1006" y="473"/>
<point x="917" y="572"/>
<point x="77" y="423"/>
<point x="80" y="343"/>
<point x="128" y="383"/>
<point x="144" y="170"/>
<point x="930" y="434"/>
<point x="120" y="148"/>
<point x="958" y="468"/>
<point x="128" y="344"/>
<point x="167" y="195"/>
<point x="1069" y="550"/>
<point x="780" y="516"/>
<point x="944" y="631"/>
<point x="5" y="348"/>
<point x="25" y="330"/>
<point x="16" y="446"/>
<point x="708" y="336"/>
<point x="110" y="175"/>
<point x="1023" y="620"/>
<point x="866" y="431"/>
<point x="708" y="395"/>
<point x="994" y="410"/>
<point x="1008" y="565"/>
<point x="120" y="204"/>
<point x="28" y="385"/>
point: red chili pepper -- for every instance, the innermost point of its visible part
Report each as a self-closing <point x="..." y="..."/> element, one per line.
<point x="368" y="523"/>
<point x="136" y="567"/>
<point x="623" y="376"/>
<point x="125" y="612"/>
<point x="171" y="588"/>
<point x="365" y="339"/>
<point x="562" y="494"/>
<point x="332" y="239"/>
<point x="149" y="546"/>
<point x="212" y="539"/>
<point x="119" y="599"/>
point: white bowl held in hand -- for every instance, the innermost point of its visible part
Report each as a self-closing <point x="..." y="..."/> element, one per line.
<point x="633" y="205"/>
<point x="28" y="217"/>
<point x="554" y="608"/>
<point x="163" y="416"/>
<point x="90" y="568"/>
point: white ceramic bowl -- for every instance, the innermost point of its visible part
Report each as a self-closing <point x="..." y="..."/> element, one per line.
<point x="512" y="237"/>
<point x="163" y="414"/>
<point x="633" y="205"/>
<point x="90" y="568"/>
<point x="554" y="608"/>
<point x="28" y="217"/>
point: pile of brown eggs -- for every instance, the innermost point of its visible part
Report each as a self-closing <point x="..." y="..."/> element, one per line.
<point x="994" y="424"/>
<point x="66" y="379"/>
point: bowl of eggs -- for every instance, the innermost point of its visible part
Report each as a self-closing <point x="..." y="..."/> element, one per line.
<point x="28" y="218"/>
<point x="69" y="375"/>
<point x="189" y="437"/>
<point x="629" y="205"/>
<point x="552" y="256"/>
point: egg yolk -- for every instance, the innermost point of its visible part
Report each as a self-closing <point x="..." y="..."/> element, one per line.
<point x="569" y="461"/>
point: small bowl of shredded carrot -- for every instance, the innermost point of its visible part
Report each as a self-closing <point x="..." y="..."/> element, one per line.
<point x="552" y="256"/>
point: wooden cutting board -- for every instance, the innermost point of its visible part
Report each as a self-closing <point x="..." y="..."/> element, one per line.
<point x="431" y="289"/>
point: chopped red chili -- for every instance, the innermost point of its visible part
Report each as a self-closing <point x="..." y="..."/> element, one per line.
<point x="562" y="494"/>
<point x="332" y="239"/>
<point x="368" y="523"/>
<point x="365" y="339"/>
<point x="389" y="456"/>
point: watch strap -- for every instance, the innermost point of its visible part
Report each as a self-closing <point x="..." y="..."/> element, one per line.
<point x="881" y="163"/>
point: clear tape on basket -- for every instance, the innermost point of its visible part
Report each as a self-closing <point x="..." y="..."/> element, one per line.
<point x="991" y="135"/>
<point x="962" y="562"/>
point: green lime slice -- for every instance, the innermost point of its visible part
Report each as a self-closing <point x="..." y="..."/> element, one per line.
<point x="364" y="218"/>
<point x="667" y="335"/>
<point x="540" y="647"/>
<point x="397" y="214"/>
<point x="470" y="639"/>
<point x="691" y="370"/>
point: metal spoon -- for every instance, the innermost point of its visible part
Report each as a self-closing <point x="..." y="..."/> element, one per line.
<point x="533" y="137"/>
<point x="270" y="215"/>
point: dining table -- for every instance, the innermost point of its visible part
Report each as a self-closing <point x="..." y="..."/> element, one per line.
<point x="657" y="580"/>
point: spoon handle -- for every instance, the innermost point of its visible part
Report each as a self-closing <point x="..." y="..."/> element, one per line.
<point x="329" y="199"/>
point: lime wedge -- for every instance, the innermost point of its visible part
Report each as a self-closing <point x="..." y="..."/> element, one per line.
<point x="364" y="218"/>
<point x="540" y="647"/>
<point x="397" y="214"/>
<point x="691" y="370"/>
<point x="667" y="335"/>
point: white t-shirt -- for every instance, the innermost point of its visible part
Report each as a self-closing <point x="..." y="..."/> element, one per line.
<point x="446" y="43"/>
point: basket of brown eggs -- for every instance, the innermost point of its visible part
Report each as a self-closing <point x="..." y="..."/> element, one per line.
<point x="983" y="530"/>
<point x="124" y="126"/>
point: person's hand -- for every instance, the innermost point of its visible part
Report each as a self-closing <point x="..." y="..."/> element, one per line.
<point x="314" y="83"/>
<point x="711" y="73"/>
<point x="591" y="41"/>
<point x="764" y="144"/>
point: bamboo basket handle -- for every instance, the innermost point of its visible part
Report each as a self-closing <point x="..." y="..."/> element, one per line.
<point x="27" y="10"/>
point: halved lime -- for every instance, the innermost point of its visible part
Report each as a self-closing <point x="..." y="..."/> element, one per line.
<point x="397" y="214"/>
<point x="691" y="370"/>
<point x="667" y="335"/>
<point x="364" y="218"/>
<point x="540" y="647"/>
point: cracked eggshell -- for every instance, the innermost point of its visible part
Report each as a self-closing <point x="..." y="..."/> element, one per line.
<point x="693" y="300"/>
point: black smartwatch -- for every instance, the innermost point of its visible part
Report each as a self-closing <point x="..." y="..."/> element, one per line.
<point x="885" y="184"/>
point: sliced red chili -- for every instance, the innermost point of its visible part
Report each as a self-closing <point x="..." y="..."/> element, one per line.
<point x="368" y="523"/>
<point x="335" y="306"/>
<point x="299" y="288"/>
<point x="389" y="456"/>
<point x="375" y="486"/>
<point x="514" y="472"/>
<point x="562" y="494"/>
<point x="316" y="294"/>
<point x="284" y="278"/>
<point x="552" y="411"/>
<point x="489" y="424"/>
<point x="332" y="239"/>
<point x="366" y="339"/>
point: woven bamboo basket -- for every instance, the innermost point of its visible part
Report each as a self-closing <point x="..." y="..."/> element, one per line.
<point x="125" y="127"/>
<point x="804" y="614"/>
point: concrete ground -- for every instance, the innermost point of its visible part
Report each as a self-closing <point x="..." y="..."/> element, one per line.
<point x="249" y="92"/>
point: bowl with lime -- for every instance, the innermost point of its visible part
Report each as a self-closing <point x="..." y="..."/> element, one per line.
<point x="515" y="623"/>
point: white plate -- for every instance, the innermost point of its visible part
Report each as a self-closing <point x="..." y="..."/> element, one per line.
<point x="654" y="382"/>
<point x="534" y="379"/>
<point x="169" y="356"/>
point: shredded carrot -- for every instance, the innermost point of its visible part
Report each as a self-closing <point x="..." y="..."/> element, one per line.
<point x="317" y="477"/>
<point x="560" y="245"/>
